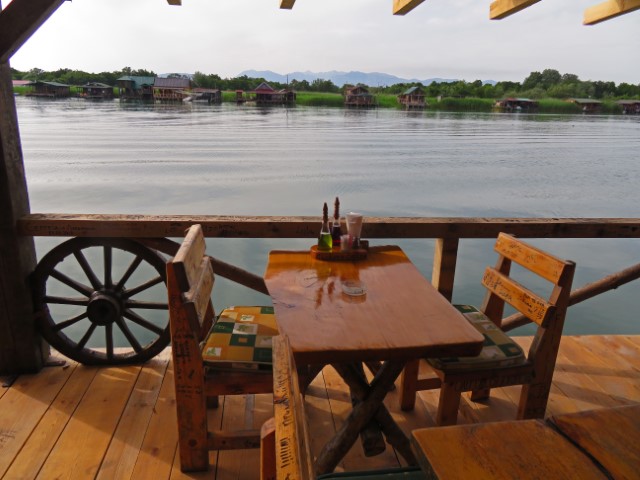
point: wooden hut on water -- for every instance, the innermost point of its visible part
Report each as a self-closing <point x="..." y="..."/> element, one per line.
<point x="588" y="105"/>
<point x="171" y="89"/>
<point x="413" y="98"/>
<point x="358" y="97"/>
<point x="48" y="89"/>
<point x="206" y="95"/>
<point x="265" y="94"/>
<point x="136" y="88"/>
<point x="630" y="107"/>
<point x="96" y="91"/>
<point x="516" y="105"/>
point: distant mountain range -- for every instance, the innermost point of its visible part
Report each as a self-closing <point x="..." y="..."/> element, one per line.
<point x="373" y="79"/>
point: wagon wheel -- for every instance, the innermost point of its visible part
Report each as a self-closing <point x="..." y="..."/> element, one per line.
<point x="103" y="301"/>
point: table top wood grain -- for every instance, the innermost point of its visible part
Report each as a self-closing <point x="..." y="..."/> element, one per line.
<point x="522" y="449"/>
<point x="401" y="315"/>
<point x="610" y="435"/>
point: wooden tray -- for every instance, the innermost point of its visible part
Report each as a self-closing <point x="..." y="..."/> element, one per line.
<point x="339" y="255"/>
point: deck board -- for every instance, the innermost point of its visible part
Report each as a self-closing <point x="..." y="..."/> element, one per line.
<point x="81" y="422"/>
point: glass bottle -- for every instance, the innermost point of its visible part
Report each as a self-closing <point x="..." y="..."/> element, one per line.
<point x="336" y="231"/>
<point x="324" y="240"/>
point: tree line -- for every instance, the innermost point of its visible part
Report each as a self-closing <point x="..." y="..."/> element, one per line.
<point x="546" y="84"/>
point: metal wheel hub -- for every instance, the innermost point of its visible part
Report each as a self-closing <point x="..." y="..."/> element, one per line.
<point x="104" y="308"/>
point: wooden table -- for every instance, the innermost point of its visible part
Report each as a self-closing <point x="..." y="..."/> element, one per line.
<point x="610" y="435"/>
<point x="521" y="449"/>
<point x="401" y="317"/>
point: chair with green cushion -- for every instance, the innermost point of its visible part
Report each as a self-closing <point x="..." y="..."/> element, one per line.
<point x="230" y="356"/>
<point x="502" y="362"/>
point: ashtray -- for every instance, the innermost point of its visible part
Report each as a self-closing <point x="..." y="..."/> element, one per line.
<point x="353" y="288"/>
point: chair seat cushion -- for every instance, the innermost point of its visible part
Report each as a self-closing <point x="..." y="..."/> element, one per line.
<point x="498" y="350"/>
<point x="241" y="339"/>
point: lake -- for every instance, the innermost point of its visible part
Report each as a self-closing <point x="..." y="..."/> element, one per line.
<point x="83" y="157"/>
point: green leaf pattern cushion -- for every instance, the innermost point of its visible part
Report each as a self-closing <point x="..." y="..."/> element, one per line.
<point x="241" y="338"/>
<point x="498" y="350"/>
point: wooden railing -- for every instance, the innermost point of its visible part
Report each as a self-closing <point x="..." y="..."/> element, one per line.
<point x="155" y="231"/>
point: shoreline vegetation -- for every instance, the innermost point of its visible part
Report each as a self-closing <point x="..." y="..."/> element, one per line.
<point x="446" y="104"/>
<point x="549" y="88"/>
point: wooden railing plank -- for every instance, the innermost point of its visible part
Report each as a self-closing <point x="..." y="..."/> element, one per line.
<point x="156" y="226"/>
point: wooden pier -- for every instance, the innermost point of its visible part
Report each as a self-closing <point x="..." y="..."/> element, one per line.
<point x="75" y="422"/>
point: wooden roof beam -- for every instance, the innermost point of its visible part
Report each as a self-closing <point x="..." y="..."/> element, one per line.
<point x="503" y="8"/>
<point x="402" y="7"/>
<point x="177" y="3"/>
<point x="287" y="4"/>
<point x="609" y="9"/>
<point x="19" y="20"/>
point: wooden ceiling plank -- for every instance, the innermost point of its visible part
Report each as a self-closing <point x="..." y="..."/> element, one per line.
<point x="19" y="20"/>
<point x="287" y="4"/>
<point x="402" y="7"/>
<point x="503" y="8"/>
<point x="177" y="3"/>
<point x="609" y="9"/>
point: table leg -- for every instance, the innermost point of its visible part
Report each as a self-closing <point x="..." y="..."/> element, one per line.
<point x="395" y="436"/>
<point x="370" y="406"/>
<point x="371" y="436"/>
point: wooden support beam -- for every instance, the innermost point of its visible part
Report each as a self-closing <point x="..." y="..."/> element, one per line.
<point x="609" y="9"/>
<point x="19" y="20"/>
<point x="287" y="4"/>
<point x="402" y="7"/>
<point x="21" y="348"/>
<point x="503" y="8"/>
<point x="177" y="3"/>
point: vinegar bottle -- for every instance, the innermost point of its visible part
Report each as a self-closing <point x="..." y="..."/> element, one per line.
<point x="324" y="240"/>
<point x="336" y="232"/>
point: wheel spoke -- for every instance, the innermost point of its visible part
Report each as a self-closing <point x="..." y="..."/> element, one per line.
<point x="134" y="317"/>
<point x="67" y="323"/>
<point x="132" y="268"/>
<point x="108" y="331"/>
<point x="133" y="341"/>
<point x="140" y="288"/>
<point x="84" y="289"/>
<point x="87" y="269"/>
<point x="67" y="300"/>
<point x="83" y="341"/>
<point x="147" y="305"/>
<point x="108" y="258"/>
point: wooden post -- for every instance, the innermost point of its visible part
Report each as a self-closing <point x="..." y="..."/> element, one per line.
<point x="444" y="265"/>
<point x="21" y="348"/>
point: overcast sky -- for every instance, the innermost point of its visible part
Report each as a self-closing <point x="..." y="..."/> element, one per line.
<point x="440" y="38"/>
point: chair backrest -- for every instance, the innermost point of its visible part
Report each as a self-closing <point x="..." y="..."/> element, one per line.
<point x="548" y="314"/>
<point x="501" y="288"/>
<point x="190" y="282"/>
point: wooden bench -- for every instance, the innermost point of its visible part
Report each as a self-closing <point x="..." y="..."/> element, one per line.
<point x="285" y="445"/>
<point x="190" y="280"/>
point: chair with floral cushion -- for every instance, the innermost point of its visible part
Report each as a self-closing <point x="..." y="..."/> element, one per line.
<point x="502" y="362"/>
<point x="228" y="357"/>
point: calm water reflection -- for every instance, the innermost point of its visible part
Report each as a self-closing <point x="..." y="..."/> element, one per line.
<point x="86" y="157"/>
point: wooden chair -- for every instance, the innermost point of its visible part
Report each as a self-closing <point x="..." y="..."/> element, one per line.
<point x="202" y="374"/>
<point x="285" y="452"/>
<point x="502" y="362"/>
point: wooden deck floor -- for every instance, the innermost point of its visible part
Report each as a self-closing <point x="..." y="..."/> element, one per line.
<point x="75" y="422"/>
